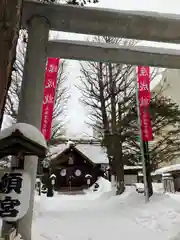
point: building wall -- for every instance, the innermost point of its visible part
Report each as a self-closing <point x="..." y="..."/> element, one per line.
<point x="169" y="86"/>
<point x="129" y="179"/>
<point x="67" y="164"/>
<point x="177" y="183"/>
<point x="170" y="83"/>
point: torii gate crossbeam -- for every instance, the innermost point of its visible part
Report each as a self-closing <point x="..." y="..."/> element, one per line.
<point x="134" y="55"/>
<point x="150" y="26"/>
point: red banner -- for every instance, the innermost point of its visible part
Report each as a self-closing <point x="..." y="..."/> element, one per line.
<point x="49" y="95"/>
<point x="144" y="97"/>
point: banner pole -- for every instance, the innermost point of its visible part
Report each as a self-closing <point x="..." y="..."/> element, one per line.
<point x="146" y="192"/>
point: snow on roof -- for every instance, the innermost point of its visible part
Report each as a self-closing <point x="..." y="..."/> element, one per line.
<point x="70" y="143"/>
<point x="95" y="153"/>
<point x="170" y="168"/>
<point x="152" y="174"/>
<point x="132" y="167"/>
<point x="166" y="174"/>
<point x="27" y="131"/>
<point x="54" y="151"/>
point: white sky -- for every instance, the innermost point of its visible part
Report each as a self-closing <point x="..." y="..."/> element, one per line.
<point x="77" y="115"/>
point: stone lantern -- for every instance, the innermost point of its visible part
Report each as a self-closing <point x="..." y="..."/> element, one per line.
<point x="18" y="141"/>
<point x="21" y="140"/>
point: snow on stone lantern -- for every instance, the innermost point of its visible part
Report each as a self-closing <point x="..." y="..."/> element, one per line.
<point x="53" y="179"/>
<point x="88" y="179"/>
<point x="19" y="140"/>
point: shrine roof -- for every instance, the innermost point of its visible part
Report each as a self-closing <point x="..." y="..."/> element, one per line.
<point x="94" y="152"/>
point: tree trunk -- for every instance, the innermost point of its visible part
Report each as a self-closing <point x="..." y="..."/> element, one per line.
<point x="107" y="133"/>
<point x="121" y="159"/>
<point x="10" y="17"/>
<point x="117" y="166"/>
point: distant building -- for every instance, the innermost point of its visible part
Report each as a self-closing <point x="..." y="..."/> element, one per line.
<point x="73" y="163"/>
<point x="169" y="85"/>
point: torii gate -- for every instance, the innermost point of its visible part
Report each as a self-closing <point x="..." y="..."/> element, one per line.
<point x="40" y="18"/>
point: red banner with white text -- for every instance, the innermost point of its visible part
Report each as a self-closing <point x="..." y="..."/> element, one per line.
<point x="49" y="95"/>
<point x="144" y="97"/>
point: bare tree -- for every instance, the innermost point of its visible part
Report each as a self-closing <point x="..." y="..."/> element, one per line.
<point x="108" y="92"/>
<point x="107" y="89"/>
<point x="61" y="97"/>
<point x="10" y="19"/>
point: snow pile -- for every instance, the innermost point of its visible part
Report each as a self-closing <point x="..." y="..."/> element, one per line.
<point x="80" y="217"/>
<point x="27" y="131"/>
<point x="157" y="187"/>
<point x="103" y="185"/>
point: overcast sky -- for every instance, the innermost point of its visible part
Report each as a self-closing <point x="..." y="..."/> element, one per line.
<point x="77" y="115"/>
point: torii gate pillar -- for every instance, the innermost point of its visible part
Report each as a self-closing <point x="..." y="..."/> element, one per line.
<point x="31" y="100"/>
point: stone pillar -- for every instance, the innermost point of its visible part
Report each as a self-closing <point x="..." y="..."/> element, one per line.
<point x="31" y="100"/>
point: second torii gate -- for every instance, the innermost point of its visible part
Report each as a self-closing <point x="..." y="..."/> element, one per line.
<point x="40" y="18"/>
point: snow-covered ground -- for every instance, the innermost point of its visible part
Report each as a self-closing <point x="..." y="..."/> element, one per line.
<point x="101" y="216"/>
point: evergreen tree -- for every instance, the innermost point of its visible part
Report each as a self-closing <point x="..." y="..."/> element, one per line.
<point x="165" y="147"/>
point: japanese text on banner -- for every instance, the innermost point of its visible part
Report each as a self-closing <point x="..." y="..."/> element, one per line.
<point x="49" y="95"/>
<point x="144" y="97"/>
